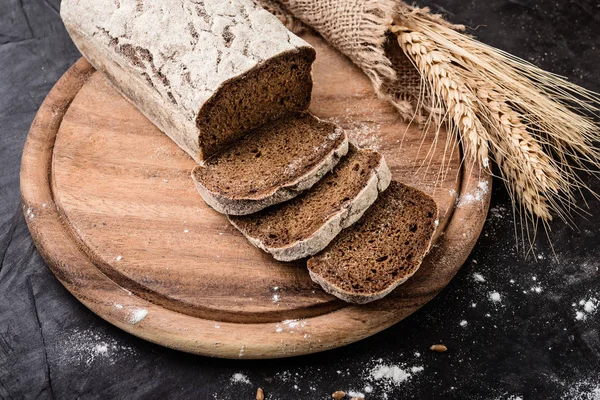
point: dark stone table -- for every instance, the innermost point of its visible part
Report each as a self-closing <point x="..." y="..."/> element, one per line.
<point x="541" y="339"/>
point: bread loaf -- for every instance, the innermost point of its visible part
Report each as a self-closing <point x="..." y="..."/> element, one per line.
<point x="305" y="225"/>
<point x="204" y="72"/>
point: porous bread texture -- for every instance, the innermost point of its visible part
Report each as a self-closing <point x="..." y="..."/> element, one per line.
<point x="204" y="72"/>
<point x="271" y="164"/>
<point x="381" y="251"/>
<point x="306" y="224"/>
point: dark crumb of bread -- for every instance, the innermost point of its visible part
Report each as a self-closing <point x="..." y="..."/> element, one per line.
<point x="305" y="225"/>
<point x="267" y="92"/>
<point x="382" y="250"/>
<point x="270" y="156"/>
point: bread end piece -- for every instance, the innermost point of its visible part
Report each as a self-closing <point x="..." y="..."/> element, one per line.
<point x="383" y="250"/>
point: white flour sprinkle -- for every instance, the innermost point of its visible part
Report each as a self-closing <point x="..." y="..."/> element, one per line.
<point x="240" y="378"/>
<point x="463" y="323"/>
<point x="30" y="213"/>
<point x="137" y="315"/>
<point x="495" y="297"/>
<point x="291" y="325"/>
<point x="217" y="326"/>
<point x="275" y="298"/>
<point x="119" y="258"/>
<point x="118" y="306"/>
<point x="478" y="277"/>
<point x="393" y="375"/>
<point x="586" y="308"/>
<point x="368" y="389"/>
<point x="86" y="347"/>
<point x="352" y="393"/>
<point x="476" y="195"/>
<point x="583" y="390"/>
<point x="363" y="134"/>
<point x="242" y="351"/>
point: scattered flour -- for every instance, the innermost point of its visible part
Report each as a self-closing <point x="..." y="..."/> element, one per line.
<point x="463" y="323"/>
<point x="86" y="347"/>
<point x="119" y="258"/>
<point x="498" y="212"/>
<point x="276" y="296"/>
<point x="495" y="297"/>
<point x="291" y="325"/>
<point x="352" y="393"/>
<point x="583" y="390"/>
<point x="30" y="213"/>
<point x="137" y="315"/>
<point x="118" y="306"/>
<point x="586" y="308"/>
<point x="478" y="277"/>
<point x="388" y="376"/>
<point x="363" y="134"/>
<point x="478" y="194"/>
<point x="239" y="378"/>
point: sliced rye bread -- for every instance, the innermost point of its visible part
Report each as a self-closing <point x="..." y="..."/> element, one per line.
<point x="271" y="164"/>
<point x="306" y="224"/>
<point x="386" y="247"/>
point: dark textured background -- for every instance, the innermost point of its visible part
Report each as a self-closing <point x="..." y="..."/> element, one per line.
<point x="529" y="345"/>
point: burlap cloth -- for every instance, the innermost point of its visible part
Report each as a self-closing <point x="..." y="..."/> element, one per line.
<point x="360" y="30"/>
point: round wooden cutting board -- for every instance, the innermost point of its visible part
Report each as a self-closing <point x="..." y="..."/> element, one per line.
<point x="112" y="208"/>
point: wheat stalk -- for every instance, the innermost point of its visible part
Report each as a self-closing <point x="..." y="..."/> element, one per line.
<point x="531" y="122"/>
<point x="447" y="92"/>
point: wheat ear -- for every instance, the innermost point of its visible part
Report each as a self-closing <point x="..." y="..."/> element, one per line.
<point x="534" y="123"/>
<point x="446" y="91"/>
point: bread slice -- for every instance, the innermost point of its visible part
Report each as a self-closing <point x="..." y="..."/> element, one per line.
<point x="305" y="225"/>
<point x="368" y="260"/>
<point x="271" y="164"/>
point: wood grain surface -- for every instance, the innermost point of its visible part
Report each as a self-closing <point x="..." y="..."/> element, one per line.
<point x="112" y="208"/>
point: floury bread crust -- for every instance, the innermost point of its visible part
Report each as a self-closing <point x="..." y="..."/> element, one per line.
<point x="306" y="224"/>
<point x="382" y="250"/>
<point x="204" y="72"/>
<point x="270" y="165"/>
